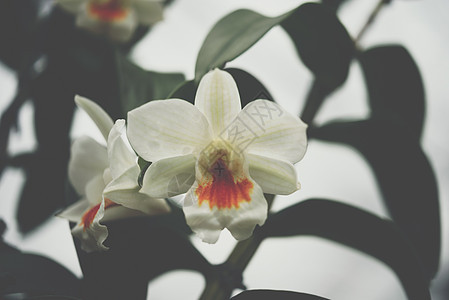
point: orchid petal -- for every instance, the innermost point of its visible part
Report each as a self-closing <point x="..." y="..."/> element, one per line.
<point x="166" y="128"/>
<point x="88" y="159"/>
<point x="201" y="219"/>
<point x="92" y="235"/>
<point x="124" y="190"/>
<point x="274" y="176"/>
<point x="242" y="221"/>
<point x="75" y="212"/>
<point x="218" y="99"/>
<point x="148" y="11"/>
<point x="97" y="114"/>
<point x="169" y="177"/>
<point x="94" y="190"/>
<point x="271" y="131"/>
<point x="120" y="156"/>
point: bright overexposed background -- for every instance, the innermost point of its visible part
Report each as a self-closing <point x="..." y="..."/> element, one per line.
<point x="305" y="264"/>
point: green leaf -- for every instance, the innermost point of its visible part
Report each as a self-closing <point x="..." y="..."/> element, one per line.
<point x="357" y="229"/>
<point x="231" y="36"/>
<point x="404" y="175"/>
<point x="394" y="85"/>
<point x="322" y="42"/>
<point x="272" y="294"/>
<point x="138" y="86"/>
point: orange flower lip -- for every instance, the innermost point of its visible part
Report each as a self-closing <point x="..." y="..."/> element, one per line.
<point x="90" y="214"/>
<point x="223" y="191"/>
<point x="109" y="11"/>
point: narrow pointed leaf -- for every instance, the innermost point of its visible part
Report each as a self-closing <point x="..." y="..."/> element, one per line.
<point x="404" y="175"/>
<point x="357" y="229"/>
<point x="394" y="85"/>
<point x="321" y="40"/>
<point x="231" y="36"/>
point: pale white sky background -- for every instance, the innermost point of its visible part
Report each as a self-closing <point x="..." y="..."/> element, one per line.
<point x="305" y="264"/>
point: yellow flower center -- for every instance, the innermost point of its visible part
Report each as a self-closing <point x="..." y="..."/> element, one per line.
<point x="223" y="183"/>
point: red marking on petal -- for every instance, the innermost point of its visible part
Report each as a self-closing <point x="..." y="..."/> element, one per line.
<point x="111" y="10"/>
<point x="224" y="191"/>
<point x="89" y="215"/>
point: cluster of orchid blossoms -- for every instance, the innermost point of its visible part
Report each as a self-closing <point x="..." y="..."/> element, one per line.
<point x="116" y="19"/>
<point x="222" y="157"/>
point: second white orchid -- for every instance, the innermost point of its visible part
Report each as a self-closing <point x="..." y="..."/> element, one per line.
<point x="106" y="180"/>
<point x="224" y="157"/>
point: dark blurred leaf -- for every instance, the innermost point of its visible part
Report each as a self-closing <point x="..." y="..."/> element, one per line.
<point x="41" y="195"/>
<point x="186" y="91"/>
<point x="140" y="250"/>
<point x="165" y="83"/>
<point x="143" y="165"/>
<point x="275" y="295"/>
<point x="405" y="178"/>
<point x="322" y="42"/>
<point x="357" y="229"/>
<point x="34" y="275"/>
<point x="18" y="20"/>
<point x="51" y="297"/>
<point x="138" y="86"/>
<point x="250" y="88"/>
<point x="333" y="4"/>
<point x="395" y="86"/>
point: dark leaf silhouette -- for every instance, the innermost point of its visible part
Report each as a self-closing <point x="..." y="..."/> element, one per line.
<point x="272" y="294"/>
<point x="404" y="175"/>
<point x="355" y="228"/>
<point x="394" y="85"/>
<point x="140" y="250"/>
<point x="322" y="42"/>
<point x="34" y="275"/>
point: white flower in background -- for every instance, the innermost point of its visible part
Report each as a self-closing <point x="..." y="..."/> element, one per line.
<point x="227" y="156"/>
<point x="116" y="19"/>
<point x="106" y="178"/>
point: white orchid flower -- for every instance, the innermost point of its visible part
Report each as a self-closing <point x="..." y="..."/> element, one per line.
<point x="106" y="178"/>
<point x="224" y="157"/>
<point x="116" y="19"/>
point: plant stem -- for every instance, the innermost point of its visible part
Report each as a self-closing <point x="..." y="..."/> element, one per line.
<point x="237" y="261"/>
<point x="315" y="98"/>
<point x="371" y="19"/>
